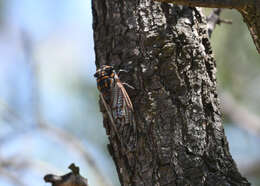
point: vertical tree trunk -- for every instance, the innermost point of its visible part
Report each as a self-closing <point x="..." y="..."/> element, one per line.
<point x="166" y="50"/>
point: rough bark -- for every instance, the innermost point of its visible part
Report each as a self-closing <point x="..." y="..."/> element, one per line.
<point x="211" y="3"/>
<point x="251" y="15"/>
<point x="165" y="49"/>
<point x="250" y="10"/>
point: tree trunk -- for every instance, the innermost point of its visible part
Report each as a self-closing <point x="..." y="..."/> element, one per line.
<point x="250" y="10"/>
<point x="166" y="51"/>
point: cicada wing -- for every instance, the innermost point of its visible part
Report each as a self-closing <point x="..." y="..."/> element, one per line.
<point x="109" y="113"/>
<point x="123" y="114"/>
<point x="125" y="94"/>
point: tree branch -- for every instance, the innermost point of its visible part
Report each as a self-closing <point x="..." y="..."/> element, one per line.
<point x="250" y="10"/>
<point x="71" y="179"/>
<point x="180" y="137"/>
<point x="64" y="136"/>
<point x="211" y="3"/>
<point x="70" y="140"/>
<point x="251" y="16"/>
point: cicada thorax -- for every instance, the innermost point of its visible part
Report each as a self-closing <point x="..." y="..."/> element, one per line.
<point x="105" y="81"/>
<point x="119" y="105"/>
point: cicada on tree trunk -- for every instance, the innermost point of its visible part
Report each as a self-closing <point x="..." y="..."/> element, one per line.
<point x="118" y="106"/>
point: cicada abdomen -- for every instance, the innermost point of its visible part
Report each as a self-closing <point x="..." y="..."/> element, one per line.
<point x="118" y="105"/>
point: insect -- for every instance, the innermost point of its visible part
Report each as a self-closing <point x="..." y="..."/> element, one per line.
<point x="118" y="105"/>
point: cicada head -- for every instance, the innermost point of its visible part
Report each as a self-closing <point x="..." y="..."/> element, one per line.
<point x="105" y="77"/>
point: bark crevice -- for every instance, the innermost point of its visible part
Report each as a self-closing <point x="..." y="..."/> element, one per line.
<point x="166" y="50"/>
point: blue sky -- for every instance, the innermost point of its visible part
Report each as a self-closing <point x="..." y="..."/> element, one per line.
<point x="61" y="33"/>
<point x="62" y="38"/>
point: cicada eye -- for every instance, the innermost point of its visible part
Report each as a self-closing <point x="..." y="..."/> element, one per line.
<point x="98" y="73"/>
<point x="108" y="68"/>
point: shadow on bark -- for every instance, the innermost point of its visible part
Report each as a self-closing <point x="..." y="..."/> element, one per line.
<point x="166" y="50"/>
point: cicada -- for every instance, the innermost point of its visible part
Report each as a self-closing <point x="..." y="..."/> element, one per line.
<point x="118" y="105"/>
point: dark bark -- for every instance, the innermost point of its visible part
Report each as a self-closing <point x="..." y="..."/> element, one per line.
<point x="238" y="4"/>
<point x="251" y="15"/>
<point x="165" y="49"/>
<point x="250" y="10"/>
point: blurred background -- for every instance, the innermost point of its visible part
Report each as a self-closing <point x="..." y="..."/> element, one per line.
<point x="49" y="114"/>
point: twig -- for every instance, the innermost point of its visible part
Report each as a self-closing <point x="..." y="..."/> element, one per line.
<point x="62" y="134"/>
<point x="76" y="144"/>
<point x="214" y="18"/>
<point x="68" y="139"/>
<point x="71" y="179"/>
